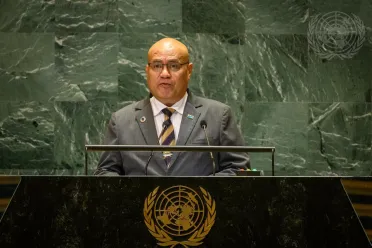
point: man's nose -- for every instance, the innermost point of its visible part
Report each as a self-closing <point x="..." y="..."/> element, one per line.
<point x="164" y="71"/>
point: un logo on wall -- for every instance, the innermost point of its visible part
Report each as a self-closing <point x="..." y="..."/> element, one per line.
<point x="336" y="34"/>
<point x="179" y="215"/>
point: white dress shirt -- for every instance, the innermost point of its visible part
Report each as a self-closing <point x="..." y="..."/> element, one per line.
<point x="176" y="117"/>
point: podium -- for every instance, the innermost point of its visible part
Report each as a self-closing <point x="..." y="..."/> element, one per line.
<point x="88" y="211"/>
<point x="187" y="148"/>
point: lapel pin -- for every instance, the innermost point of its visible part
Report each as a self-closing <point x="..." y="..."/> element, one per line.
<point x="143" y="119"/>
<point x="190" y="116"/>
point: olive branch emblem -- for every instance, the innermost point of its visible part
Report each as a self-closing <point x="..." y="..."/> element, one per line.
<point x="320" y="38"/>
<point x="164" y="239"/>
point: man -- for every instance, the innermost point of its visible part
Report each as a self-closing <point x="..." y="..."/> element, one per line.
<point x="171" y="116"/>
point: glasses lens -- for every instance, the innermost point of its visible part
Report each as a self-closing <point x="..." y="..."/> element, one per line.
<point x="172" y="66"/>
<point x="157" y="66"/>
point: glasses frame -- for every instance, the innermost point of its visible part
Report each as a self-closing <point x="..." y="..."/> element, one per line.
<point x="181" y="64"/>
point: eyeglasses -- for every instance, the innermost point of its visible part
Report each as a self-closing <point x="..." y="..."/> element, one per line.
<point x="172" y="66"/>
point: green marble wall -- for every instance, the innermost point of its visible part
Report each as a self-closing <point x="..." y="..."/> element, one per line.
<point x="66" y="65"/>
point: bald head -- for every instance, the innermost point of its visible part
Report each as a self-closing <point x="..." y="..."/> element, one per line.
<point x="169" y="84"/>
<point x="169" y="45"/>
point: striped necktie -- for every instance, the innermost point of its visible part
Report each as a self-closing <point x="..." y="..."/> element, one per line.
<point x="168" y="138"/>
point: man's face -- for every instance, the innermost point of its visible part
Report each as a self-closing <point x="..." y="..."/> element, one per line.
<point x="167" y="85"/>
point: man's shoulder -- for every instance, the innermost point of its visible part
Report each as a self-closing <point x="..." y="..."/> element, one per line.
<point x="130" y="108"/>
<point x="210" y="103"/>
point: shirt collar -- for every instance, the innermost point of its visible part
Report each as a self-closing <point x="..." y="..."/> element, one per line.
<point x="157" y="106"/>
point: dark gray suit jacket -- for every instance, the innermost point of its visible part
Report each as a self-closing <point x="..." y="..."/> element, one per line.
<point x="125" y="128"/>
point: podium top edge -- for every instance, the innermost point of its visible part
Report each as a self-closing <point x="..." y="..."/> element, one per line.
<point x="179" y="148"/>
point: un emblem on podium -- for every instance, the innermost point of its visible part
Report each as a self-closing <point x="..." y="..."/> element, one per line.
<point x="179" y="215"/>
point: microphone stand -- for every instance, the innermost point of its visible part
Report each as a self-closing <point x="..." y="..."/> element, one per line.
<point x="148" y="162"/>
<point x="204" y="126"/>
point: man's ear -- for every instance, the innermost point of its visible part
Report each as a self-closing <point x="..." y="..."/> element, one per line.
<point x="189" y="70"/>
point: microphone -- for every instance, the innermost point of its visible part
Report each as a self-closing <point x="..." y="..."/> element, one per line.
<point x="166" y="124"/>
<point x="203" y="124"/>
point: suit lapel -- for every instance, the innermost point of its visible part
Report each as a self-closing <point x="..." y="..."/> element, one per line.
<point x="146" y="123"/>
<point x="189" y="119"/>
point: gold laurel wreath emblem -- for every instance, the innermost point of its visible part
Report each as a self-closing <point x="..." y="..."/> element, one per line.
<point x="164" y="239"/>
